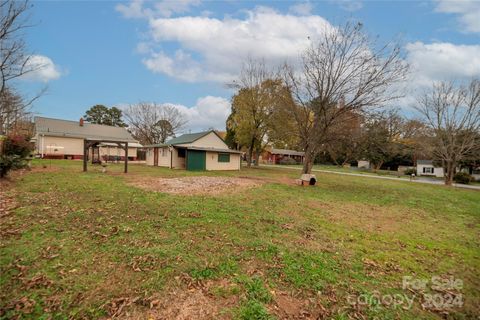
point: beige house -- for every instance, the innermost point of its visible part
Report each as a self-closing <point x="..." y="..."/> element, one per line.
<point x="194" y="151"/>
<point x="427" y="168"/>
<point x="64" y="139"/>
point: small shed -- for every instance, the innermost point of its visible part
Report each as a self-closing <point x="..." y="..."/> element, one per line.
<point x="194" y="151"/>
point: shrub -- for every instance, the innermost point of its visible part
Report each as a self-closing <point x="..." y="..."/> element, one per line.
<point x="463" y="178"/>
<point x="13" y="156"/>
<point x="287" y="161"/>
<point x="410" y="171"/>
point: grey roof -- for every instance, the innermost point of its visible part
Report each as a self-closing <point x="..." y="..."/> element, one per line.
<point x="287" y="152"/>
<point x="72" y="129"/>
<point x="184" y="139"/>
<point x="425" y="162"/>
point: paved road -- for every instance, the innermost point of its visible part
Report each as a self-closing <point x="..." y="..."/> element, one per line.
<point x="417" y="180"/>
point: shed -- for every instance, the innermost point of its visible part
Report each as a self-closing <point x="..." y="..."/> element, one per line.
<point x="194" y="151"/>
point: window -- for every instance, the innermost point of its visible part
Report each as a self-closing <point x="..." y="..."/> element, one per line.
<point x="164" y="152"/>
<point x="223" y="157"/>
<point x="181" y="153"/>
<point x="427" y="169"/>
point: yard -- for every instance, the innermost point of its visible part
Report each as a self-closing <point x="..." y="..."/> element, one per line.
<point x="106" y="245"/>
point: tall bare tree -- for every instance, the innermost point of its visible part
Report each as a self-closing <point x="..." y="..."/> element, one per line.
<point x="343" y="71"/>
<point x="452" y="112"/>
<point x="14" y="63"/>
<point x="14" y="58"/>
<point x="153" y="123"/>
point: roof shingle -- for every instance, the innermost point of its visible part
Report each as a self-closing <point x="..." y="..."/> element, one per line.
<point x="72" y="129"/>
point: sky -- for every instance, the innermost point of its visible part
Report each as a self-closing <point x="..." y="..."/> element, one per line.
<point x="185" y="52"/>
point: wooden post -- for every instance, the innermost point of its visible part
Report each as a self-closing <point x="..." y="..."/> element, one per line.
<point x="85" y="155"/>
<point x="126" y="158"/>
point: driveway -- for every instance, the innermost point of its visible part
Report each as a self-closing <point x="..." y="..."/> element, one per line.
<point x="416" y="180"/>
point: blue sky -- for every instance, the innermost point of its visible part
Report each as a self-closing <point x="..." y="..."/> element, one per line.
<point x="184" y="52"/>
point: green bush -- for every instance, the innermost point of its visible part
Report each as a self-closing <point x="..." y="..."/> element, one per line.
<point x="463" y="178"/>
<point x="410" y="171"/>
<point x="14" y="155"/>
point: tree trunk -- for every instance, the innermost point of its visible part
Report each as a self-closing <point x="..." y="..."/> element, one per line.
<point x="449" y="172"/>
<point x="250" y="155"/>
<point x="308" y="162"/>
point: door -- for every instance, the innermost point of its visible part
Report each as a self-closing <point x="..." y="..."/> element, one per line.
<point x="155" y="156"/>
<point x="196" y="160"/>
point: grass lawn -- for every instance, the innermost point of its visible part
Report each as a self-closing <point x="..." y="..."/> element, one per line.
<point x="90" y="245"/>
<point x="354" y="170"/>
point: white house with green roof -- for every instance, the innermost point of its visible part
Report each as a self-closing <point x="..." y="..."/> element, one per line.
<point x="194" y="151"/>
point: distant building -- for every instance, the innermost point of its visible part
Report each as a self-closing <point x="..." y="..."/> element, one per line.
<point x="427" y="168"/>
<point x="64" y="139"/>
<point x="275" y="156"/>
<point x="194" y="151"/>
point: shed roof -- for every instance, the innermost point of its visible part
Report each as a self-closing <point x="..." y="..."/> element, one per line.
<point x="72" y="129"/>
<point x="287" y="152"/>
<point x="185" y="138"/>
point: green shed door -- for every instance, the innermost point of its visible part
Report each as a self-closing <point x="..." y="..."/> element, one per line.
<point x="196" y="160"/>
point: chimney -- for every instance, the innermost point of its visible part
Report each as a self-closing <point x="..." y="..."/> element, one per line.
<point x="81" y="122"/>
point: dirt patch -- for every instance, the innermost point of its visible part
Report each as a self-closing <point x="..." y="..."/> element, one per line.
<point x="190" y="299"/>
<point x="194" y="185"/>
<point x="286" y="306"/>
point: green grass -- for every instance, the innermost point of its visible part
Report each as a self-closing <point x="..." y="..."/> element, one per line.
<point x="78" y="241"/>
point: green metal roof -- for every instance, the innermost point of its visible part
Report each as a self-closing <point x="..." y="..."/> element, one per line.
<point x="187" y="138"/>
<point x="183" y="139"/>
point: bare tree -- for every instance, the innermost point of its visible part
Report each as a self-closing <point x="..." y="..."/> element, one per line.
<point x="452" y="112"/>
<point x="153" y="123"/>
<point x="344" y="71"/>
<point x="14" y="63"/>
<point x="14" y="59"/>
<point x="15" y="110"/>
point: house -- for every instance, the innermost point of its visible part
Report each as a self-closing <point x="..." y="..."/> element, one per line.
<point x="427" y="168"/>
<point x="275" y="156"/>
<point x="194" y="151"/>
<point x="64" y="139"/>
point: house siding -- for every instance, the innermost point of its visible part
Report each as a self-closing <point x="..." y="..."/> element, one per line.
<point x="149" y="157"/>
<point x="71" y="146"/>
<point x="437" y="171"/>
<point x="213" y="164"/>
<point x="211" y="140"/>
<point x="116" y="151"/>
<point x="74" y="147"/>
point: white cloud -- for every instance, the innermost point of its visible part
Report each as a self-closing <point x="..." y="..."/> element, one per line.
<point x="442" y="61"/>
<point x="208" y="112"/>
<point x="132" y="10"/>
<point x="166" y="8"/>
<point x="302" y="9"/>
<point x="213" y="49"/>
<point x="43" y="68"/>
<point x="468" y="11"/>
